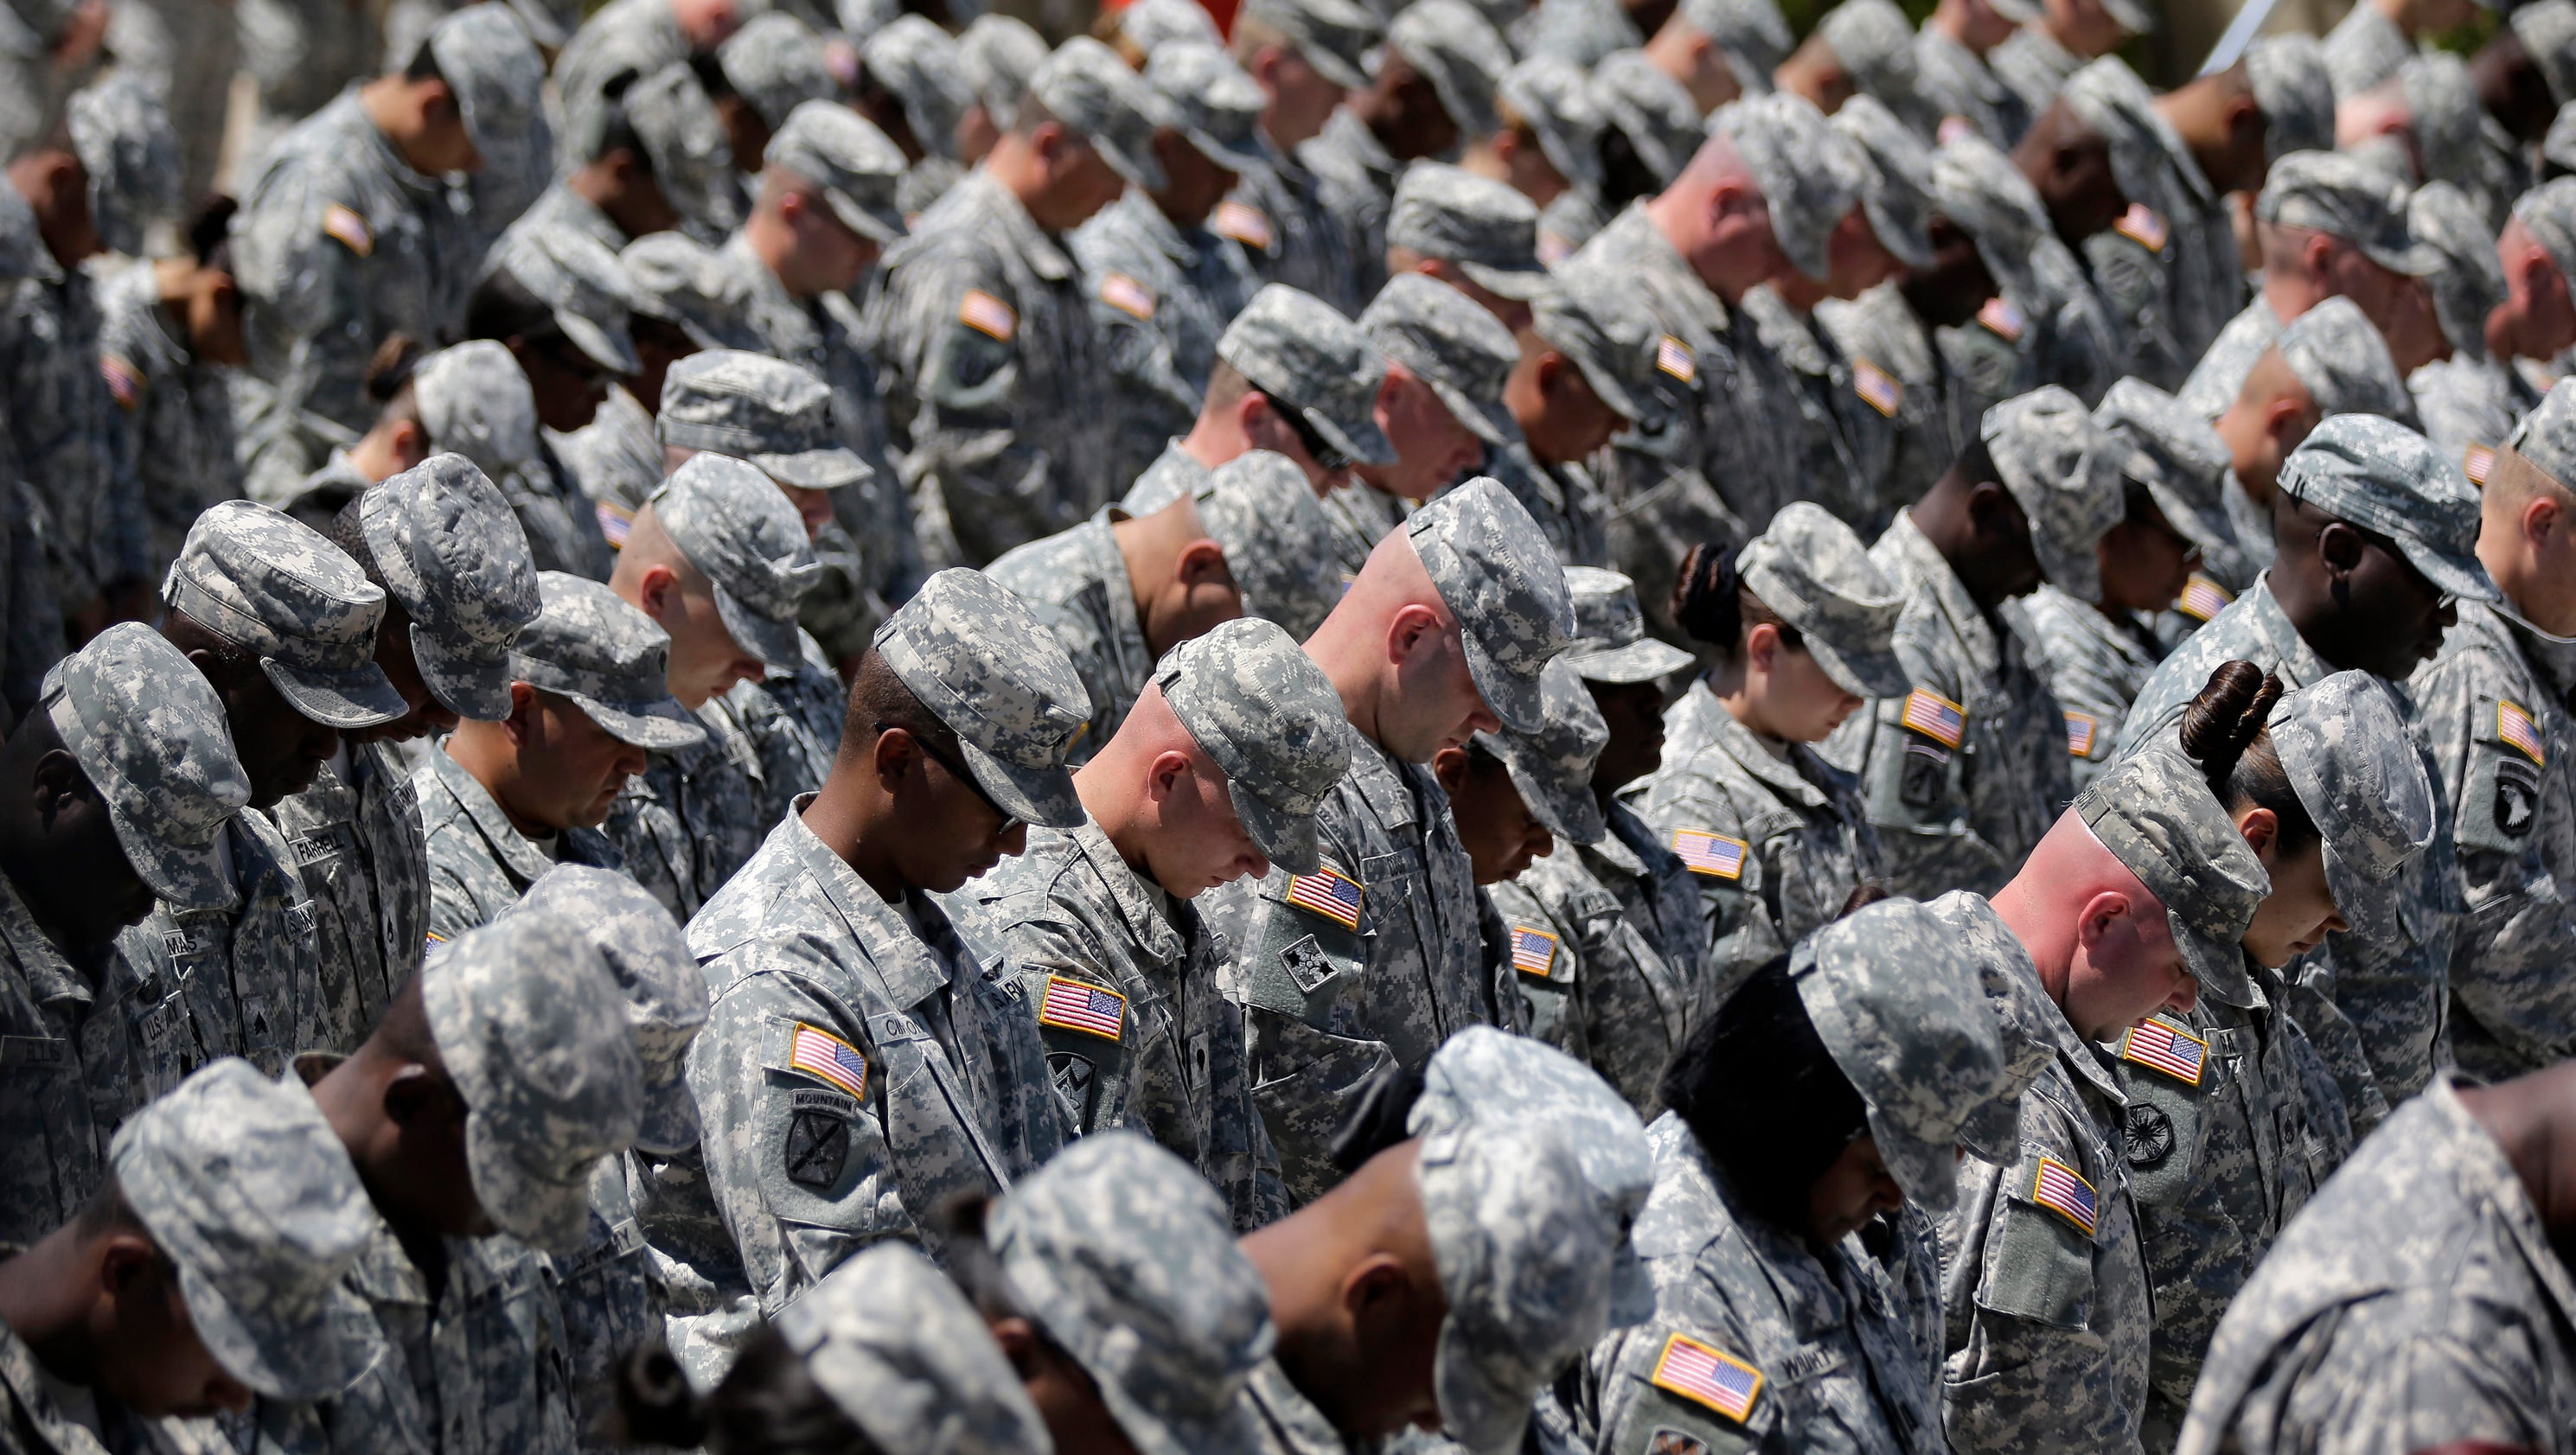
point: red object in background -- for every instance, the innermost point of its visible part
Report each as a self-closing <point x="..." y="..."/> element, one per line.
<point x="1222" y="10"/>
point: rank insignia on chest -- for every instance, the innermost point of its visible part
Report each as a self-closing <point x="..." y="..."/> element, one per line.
<point x="1127" y="296"/>
<point x="2002" y="319"/>
<point x="1074" y="1005"/>
<point x="2144" y="226"/>
<point x="1329" y="894"/>
<point x="986" y="314"/>
<point x="123" y="381"/>
<point x="2515" y="727"/>
<point x="2202" y="599"/>
<point x="2081" y="729"/>
<point x="1675" y="358"/>
<point x="1244" y="223"/>
<point x="344" y="226"/>
<point x="1935" y="717"/>
<point x="1714" y="855"/>
<point x="1876" y="387"/>
<point x="2063" y="1191"/>
<point x="1703" y="1374"/>
<point x="821" y="1054"/>
<point x="2166" y="1048"/>
<point x="1533" y="951"/>
<point x="2476" y="462"/>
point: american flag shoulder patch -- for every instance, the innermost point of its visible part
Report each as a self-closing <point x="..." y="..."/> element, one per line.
<point x="2203" y="599"/>
<point x="124" y="381"/>
<point x="1675" y="358"/>
<point x="2002" y="319"/>
<point x="1077" y="1005"/>
<point x="344" y="226"/>
<point x="826" y="1057"/>
<point x="2476" y="462"/>
<point x="2082" y="730"/>
<point x="1712" y="854"/>
<point x="614" y="523"/>
<point x="1128" y="296"/>
<point x="2144" y="226"/>
<point x="1707" y="1375"/>
<point x="1533" y="951"/>
<point x="1876" y="387"/>
<point x="2062" y="1190"/>
<point x="2162" y="1046"/>
<point x="1935" y="717"/>
<point x="1327" y="892"/>
<point x="1244" y="223"/>
<point x="2514" y="726"/>
<point x="986" y="314"/>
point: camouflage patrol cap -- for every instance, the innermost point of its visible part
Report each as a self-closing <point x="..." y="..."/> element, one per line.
<point x="485" y="56"/>
<point x="1809" y="174"/>
<point x="1460" y="53"/>
<point x="2341" y="359"/>
<point x="1482" y="1074"/>
<point x="684" y="140"/>
<point x="244" y="1187"/>
<point x="2347" y="198"/>
<point x="2470" y="283"/>
<point x="1301" y="351"/>
<point x="1610" y="642"/>
<point x="1121" y="1252"/>
<point x="2548" y="35"/>
<point x="1450" y="342"/>
<point x="772" y="413"/>
<point x="1814" y="574"/>
<point x="2113" y="104"/>
<point x="848" y="160"/>
<point x="1496" y="574"/>
<point x="2175" y="454"/>
<point x="1261" y="511"/>
<point x="273" y="586"/>
<point x="2345" y="747"/>
<point x="2064" y="471"/>
<point x="454" y="558"/>
<point x="984" y="666"/>
<point x="998" y="54"/>
<point x="896" y="1346"/>
<point x="1552" y="767"/>
<point x="1598" y="322"/>
<point x="150" y="735"/>
<point x="1659" y="119"/>
<point x="2153" y="810"/>
<point x="775" y="64"/>
<point x="2293" y="91"/>
<point x="581" y="283"/>
<point x="126" y="146"/>
<point x="1978" y="187"/>
<point x="531" y="1032"/>
<point x="1488" y="228"/>
<point x="23" y="253"/>
<point x="1894" y="181"/>
<point x="917" y="61"/>
<point x="1753" y="34"/>
<point x="474" y="401"/>
<point x="612" y="660"/>
<point x="1525" y="1251"/>
<point x="1085" y="86"/>
<point x="2558" y="147"/>
<point x="1202" y="94"/>
<point x="2548" y="213"/>
<point x="1901" y="1008"/>
<point x="2547" y="435"/>
<point x="2379" y="475"/>
<point x="1552" y="97"/>
<point x="1873" y="42"/>
<point x="2133" y="15"/>
<point x="732" y="523"/>
<point x="647" y="958"/>
<point x="682" y="282"/>
<point x="2444" y="114"/>
<point x="1150" y="25"/>
<point x="1259" y="706"/>
<point x="1333" y="36"/>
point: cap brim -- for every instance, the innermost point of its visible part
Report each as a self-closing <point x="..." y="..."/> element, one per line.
<point x="2218" y="965"/>
<point x="2078" y="574"/>
<point x="1143" y="171"/>
<point x="662" y="727"/>
<point x="548" y="1215"/>
<point x="881" y="226"/>
<point x="358" y="699"/>
<point x="1573" y="163"/>
<point x="1643" y="660"/>
<point x="177" y="875"/>
<point x="1238" y="160"/>
<point x="1517" y="700"/>
<point x="1640" y="410"/>
<point x="1040" y="796"/>
<point x="2205" y="527"/>
<point x="1568" y="811"/>
<point x="2019" y="12"/>
<point x="670" y="1124"/>
<point x="2135" y="18"/>
<point x="2461" y="576"/>
<point x="1287" y="839"/>
<point x="1518" y="284"/>
<point x="2369" y="907"/>
<point x="470" y="687"/>
<point x="1992" y="1132"/>
<point x="1487" y="420"/>
<point x="615" y="354"/>
<point x="2416" y="261"/>
<point x="1235" y="1427"/>
<point x="1632" y="1287"/>
<point x="1929" y="1174"/>
<point x="1862" y="674"/>
<point x="1368" y="444"/>
<point x="1331" y="65"/>
<point x="771" y="640"/>
<point x="298" y="1361"/>
<point x="833" y="468"/>
<point x="1478" y="1411"/>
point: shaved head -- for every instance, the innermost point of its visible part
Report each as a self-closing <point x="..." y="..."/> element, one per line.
<point x="2099" y="937"/>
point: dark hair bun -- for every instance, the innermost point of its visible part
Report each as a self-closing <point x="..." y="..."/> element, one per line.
<point x="1708" y="596"/>
<point x="2226" y="717"/>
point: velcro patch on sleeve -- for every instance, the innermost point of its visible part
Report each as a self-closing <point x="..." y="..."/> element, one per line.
<point x="1245" y="224"/>
<point x="1876" y="387"/>
<point x="2203" y="599"/>
<point x="2476" y="462"/>
<point x="1533" y="951"/>
<point x="1327" y="892"/>
<point x="2082" y="729"/>
<point x="1712" y="854"/>
<point x="2062" y="1190"/>
<point x="1077" y="1005"/>
<point x="124" y="381"/>
<point x="2515" y="728"/>
<point x="987" y="314"/>
<point x="1128" y="296"/>
<point x="1935" y="717"/>
<point x="1675" y="358"/>
<point x="1707" y="1375"/>
<point x="2002" y="319"/>
<point x="345" y="226"/>
<point x="2144" y="226"/>
<point x="820" y="1054"/>
<point x="2161" y="1046"/>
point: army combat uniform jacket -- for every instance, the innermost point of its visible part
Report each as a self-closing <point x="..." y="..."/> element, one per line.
<point x="30" y="1422"/>
<point x="479" y="862"/>
<point x="1935" y="412"/>
<point x="63" y="1078"/>
<point x="1563" y="499"/>
<point x="2095" y="663"/>
<point x="1593" y="982"/>
<point x="1289" y="235"/>
<point x="1078" y="581"/>
<point x="357" y="843"/>
<point x="1846" y="415"/>
<point x="1161" y="295"/>
<point x="696" y="815"/>
<point x="60" y="419"/>
<point x="174" y="415"/>
<point x="1355" y="177"/>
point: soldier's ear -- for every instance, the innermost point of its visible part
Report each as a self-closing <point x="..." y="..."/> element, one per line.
<point x="2339" y="549"/>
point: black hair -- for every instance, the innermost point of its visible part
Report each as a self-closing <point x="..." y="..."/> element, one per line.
<point x="1759" y="1090"/>
<point x="1625" y="177"/>
<point x="504" y="308"/>
<point x="768" y="1404"/>
<point x="1375" y="1122"/>
<point x="424" y="65"/>
<point x="210" y="232"/>
<point x="1713" y="605"/>
<point x="2223" y="732"/>
<point x="1976" y="463"/>
<point x="617" y="133"/>
<point x="879" y="700"/>
<point x="390" y="369"/>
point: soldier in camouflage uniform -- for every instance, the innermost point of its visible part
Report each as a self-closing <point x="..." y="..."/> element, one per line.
<point x="637" y="37"/>
<point x="236" y="1205"/>
<point x="1374" y="958"/>
<point x="31" y="622"/>
<point x="1305" y="55"/>
<point x="1250" y="541"/>
<point x="1775" y="837"/>
<point x="870" y="1055"/>
<point x="1163" y="284"/>
<point x="2496" y="707"/>
<point x="2049" y="325"/>
<point x="284" y="625"/>
<point x="1881" y="1024"/>
<point x="2477" y="399"/>
<point x="908" y="83"/>
<point x="1586" y="374"/>
<point x="502" y="802"/>
<point x="516" y="1043"/>
<point x="1447" y="360"/>
<point x="994" y="370"/>
<point x="718" y="558"/>
<point x="127" y="719"/>
<point x="655" y="158"/>
<point x="2096" y="654"/>
<point x="1477" y="234"/>
<point x="347" y="234"/>
<point x="1962" y="773"/>
<point x="2233" y="1119"/>
<point x="2046" y="1306"/>
<point x="2364" y="494"/>
<point x="1951" y="73"/>
<point x="439" y="541"/>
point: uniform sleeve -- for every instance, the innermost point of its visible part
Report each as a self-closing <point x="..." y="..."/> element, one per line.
<point x="2336" y="1041"/>
<point x="1913" y="783"/>
<point x="1664" y="1388"/>
<point x="2406" y="1372"/>
<point x="1743" y="933"/>
<point x="1089" y="1070"/>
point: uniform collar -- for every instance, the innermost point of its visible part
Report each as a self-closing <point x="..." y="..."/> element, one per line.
<point x="1623" y="847"/>
<point x="2294" y="660"/>
<point x="49" y="973"/>
<point x="25" y="1381"/>
<point x="1777" y="771"/>
<point x="525" y="861"/>
<point x="2486" y="1179"/>
<point x="1298" y="1426"/>
<point x="1147" y="927"/>
<point x="1022" y="235"/>
<point x="910" y="972"/>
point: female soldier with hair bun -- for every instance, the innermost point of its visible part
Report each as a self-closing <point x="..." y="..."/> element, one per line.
<point x="1775" y="837"/>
